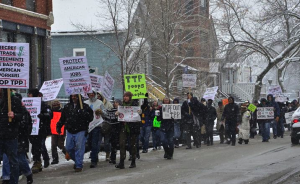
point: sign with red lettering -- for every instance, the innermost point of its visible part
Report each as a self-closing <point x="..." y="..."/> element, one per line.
<point x="108" y="86"/>
<point x="129" y="113"/>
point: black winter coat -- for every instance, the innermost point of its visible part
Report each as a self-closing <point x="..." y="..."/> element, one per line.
<point x="231" y="113"/>
<point x="45" y="119"/>
<point x="9" y="130"/>
<point x="211" y="116"/>
<point x="24" y="132"/>
<point x="199" y="110"/>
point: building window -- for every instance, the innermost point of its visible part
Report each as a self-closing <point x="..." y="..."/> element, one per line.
<point x="189" y="7"/>
<point x="79" y="52"/>
<point x="203" y="3"/>
<point x="30" y="5"/>
<point x="7" y="2"/>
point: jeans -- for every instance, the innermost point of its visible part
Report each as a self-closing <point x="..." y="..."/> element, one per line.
<point x="75" y="146"/>
<point x="266" y="131"/>
<point x="95" y="148"/>
<point x="23" y="166"/>
<point x="107" y="145"/>
<point x="274" y="127"/>
<point x="177" y="131"/>
<point x="144" y="136"/>
<point x="280" y="127"/>
<point x="167" y="138"/>
<point x="10" y="148"/>
<point x="156" y="140"/>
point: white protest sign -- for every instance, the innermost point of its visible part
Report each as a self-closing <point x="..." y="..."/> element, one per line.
<point x="33" y="106"/>
<point x="76" y="77"/>
<point x="94" y="124"/>
<point x="129" y="113"/>
<point x="97" y="82"/>
<point x="265" y="112"/>
<point x="281" y="98"/>
<point x="189" y="80"/>
<point x="170" y="111"/>
<point x="210" y="93"/>
<point x="288" y="116"/>
<point x="50" y="89"/>
<point x="275" y="90"/>
<point x="14" y="65"/>
<point x="108" y="86"/>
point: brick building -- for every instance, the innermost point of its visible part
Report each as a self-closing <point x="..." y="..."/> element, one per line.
<point x="29" y="21"/>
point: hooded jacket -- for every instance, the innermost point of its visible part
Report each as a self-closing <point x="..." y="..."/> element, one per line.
<point x="274" y="104"/>
<point x="106" y="103"/>
<point x="231" y="112"/>
<point x="211" y="116"/>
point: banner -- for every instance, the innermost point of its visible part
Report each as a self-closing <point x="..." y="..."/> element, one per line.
<point x="136" y="84"/>
<point x="170" y="111"/>
<point x="14" y="65"/>
<point x="129" y="113"/>
<point x="210" y="93"/>
<point x="252" y="107"/>
<point x="108" y="86"/>
<point x="94" y="124"/>
<point x="275" y="90"/>
<point x="50" y="89"/>
<point x="97" y="82"/>
<point x="265" y="112"/>
<point x="76" y="77"/>
<point x="33" y="106"/>
<point x="54" y="121"/>
<point x="189" y="80"/>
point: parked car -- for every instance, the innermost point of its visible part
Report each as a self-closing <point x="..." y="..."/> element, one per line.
<point x="295" y="127"/>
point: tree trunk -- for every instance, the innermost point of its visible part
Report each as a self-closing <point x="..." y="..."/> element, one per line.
<point x="279" y="76"/>
<point x="257" y="90"/>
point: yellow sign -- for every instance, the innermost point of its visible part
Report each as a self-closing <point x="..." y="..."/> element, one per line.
<point x="136" y="84"/>
<point x="252" y="107"/>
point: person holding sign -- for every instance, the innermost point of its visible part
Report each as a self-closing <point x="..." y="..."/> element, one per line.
<point x="76" y="121"/>
<point x="167" y="132"/>
<point x="272" y="103"/>
<point x="210" y="121"/>
<point x="265" y="123"/>
<point x="129" y="130"/>
<point x="9" y="132"/>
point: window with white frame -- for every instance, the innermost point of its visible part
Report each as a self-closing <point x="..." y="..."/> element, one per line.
<point x="79" y="52"/>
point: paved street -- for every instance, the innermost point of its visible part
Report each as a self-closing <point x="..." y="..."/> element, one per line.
<point x="273" y="162"/>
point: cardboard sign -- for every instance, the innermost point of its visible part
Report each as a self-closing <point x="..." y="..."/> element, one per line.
<point x="76" y="77"/>
<point x="129" y="113"/>
<point x="108" y="86"/>
<point x="94" y="124"/>
<point x="170" y="111"/>
<point x="136" y="84"/>
<point x="265" y="112"/>
<point x="288" y="117"/>
<point x="14" y="65"/>
<point x="33" y="106"/>
<point x="252" y="108"/>
<point x="189" y="80"/>
<point x="225" y="101"/>
<point x="54" y="121"/>
<point x="210" y="93"/>
<point x="281" y="98"/>
<point x="50" y="89"/>
<point x="275" y="90"/>
<point x="97" y="82"/>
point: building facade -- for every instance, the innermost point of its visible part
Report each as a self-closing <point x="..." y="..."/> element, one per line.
<point x="29" y="21"/>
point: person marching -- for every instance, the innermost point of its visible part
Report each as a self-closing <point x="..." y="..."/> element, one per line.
<point x="244" y="127"/>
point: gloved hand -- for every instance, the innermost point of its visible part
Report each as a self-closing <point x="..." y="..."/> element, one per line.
<point x="40" y="116"/>
<point x="58" y="130"/>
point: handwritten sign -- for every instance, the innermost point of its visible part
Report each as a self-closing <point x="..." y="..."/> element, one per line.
<point x="33" y="106"/>
<point x="129" y="113"/>
<point x="281" y="98"/>
<point x="275" y="90"/>
<point x="14" y="65"/>
<point x="108" y="86"/>
<point x="252" y="107"/>
<point x="189" y="80"/>
<point x="170" y="111"/>
<point x="97" y="82"/>
<point x="265" y="112"/>
<point x="94" y="124"/>
<point x="210" y="93"/>
<point x="76" y="77"/>
<point x="288" y="117"/>
<point x="50" y="89"/>
<point x="111" y="115"/>
<point x="136" y="84"/>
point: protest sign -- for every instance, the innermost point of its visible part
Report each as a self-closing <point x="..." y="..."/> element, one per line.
<point x="210" y="93"/>
<point x="252" y="107"/>
<point x="97" y="82"/>
<point x="14" y="65"/>
<point x="265" y="112"/>
<point x="288" y="117"/>
<point x="225" y="101"/>
<point x="94" y="124"/>
<point x="170" y="111"/>
<point x="50" y="89"/>
<point x="111" y="115"/>
<point x="108" y="86"/>
<point x="189" y="80"/>
<point x="136" y="84"/>
<point x="129" y="113"/>
<point x="75" y="73"/>
<point x="281" y="98"/>
<point x="33" y="106"/>
<point x="275" y="90"/>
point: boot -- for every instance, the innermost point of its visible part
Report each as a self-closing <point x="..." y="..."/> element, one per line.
<point x="93" y="165"/>
<point x="166" y="152"/>
<point x="46" y="163"/>
<point x="29" y="179"/>
<point x="120" y="165"/>
<point x="37" y="167"/>
<point x="207" y="143"/>
<point x="132" y="165"/>
<point x="55" y="161"/>
<point x="67" y="156"/>
<point x="130" y="158"/>
<point x="171" y="151"/>
<point x="107" y="156"/>
<point x="246" y="141"/>
<point x="5" y="181"/>
<point x="240" y="141"/>
<point x="211" y="142"/>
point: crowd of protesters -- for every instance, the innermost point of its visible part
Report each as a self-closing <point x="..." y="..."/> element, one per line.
<point x="69" y="129"/>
